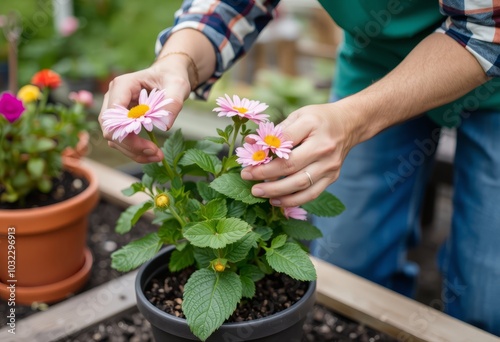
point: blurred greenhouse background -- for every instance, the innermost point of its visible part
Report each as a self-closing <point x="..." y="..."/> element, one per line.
<point x="89" y="42"/>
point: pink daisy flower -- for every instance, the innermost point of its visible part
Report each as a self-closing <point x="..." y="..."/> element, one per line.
<point x="272" y="138"/>
<point x="244" y="108"/>
<point x="295" y="213"/>
<point x="252" y="154"/>
<point x="148" y="113"/>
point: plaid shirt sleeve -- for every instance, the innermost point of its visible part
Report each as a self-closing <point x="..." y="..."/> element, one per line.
<point x="232" y="27"/>
<point x="475" y="24"/>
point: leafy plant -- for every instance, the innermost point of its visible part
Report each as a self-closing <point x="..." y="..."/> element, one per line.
<point x="204" y="208"/>
<point x="34" y="135"/>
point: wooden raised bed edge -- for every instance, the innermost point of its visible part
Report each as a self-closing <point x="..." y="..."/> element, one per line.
<point x="337" y="289"/>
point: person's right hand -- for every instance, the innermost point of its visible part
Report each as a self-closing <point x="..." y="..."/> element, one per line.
<point x="169" y="74"/>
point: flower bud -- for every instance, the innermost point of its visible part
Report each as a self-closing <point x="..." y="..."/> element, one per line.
<point x="219" y="265"/>
<point x="162" y="201"/>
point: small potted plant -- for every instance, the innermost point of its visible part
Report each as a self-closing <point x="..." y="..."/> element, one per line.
<point x="45" y="193"/>
<point x="224" y="241"/>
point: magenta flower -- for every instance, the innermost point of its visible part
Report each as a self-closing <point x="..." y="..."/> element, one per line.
<point x="148" y="113"/>
<point x="252" y="155"/>
<point x="11" y="107"/>
<point x="295" y="213"/>
<point x="272" y="138"/>
<point x="244" y="108"/>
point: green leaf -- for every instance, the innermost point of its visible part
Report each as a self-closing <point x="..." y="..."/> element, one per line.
<point x="231" y="185"/>
<point x="216" y="233"/>
<point x="36" y="167"/>
<point x="235" y="208"/>
<point x="264" y="232"/>
<point x="203" y="256"/>
<point x="208" y="146"/>
<point x="215" y="209"/>
<point x="301" y="230"/>
<point x="170" y="232"/>
<point x="238" y="250"/>
<point x="292" y="260"/>
<point x="157" y="172"/>
<point x="45" y="144"/>
<point x="279" y="241"/>
<point x="173" y="148"/>
<point x="206" y="192"/>
<point x="325" y="205"/>
<point x="133" y="189"/>
<point x="253" y="272"/>
<point x="180" y="259"/>
<point x="216" y="140"/>
<point x="207" y="162"/>
<point x="209" y="299"/>
<point x="130" y="216"/>
<point x="136" y="253"/>
<point x="147" y="180"/>
<point x="248" y="287"/>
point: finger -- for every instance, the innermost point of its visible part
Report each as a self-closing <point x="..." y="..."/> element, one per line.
<point x="285" y="186"/>
<point x="136" y="148"/>
<point x="301" y="197"/>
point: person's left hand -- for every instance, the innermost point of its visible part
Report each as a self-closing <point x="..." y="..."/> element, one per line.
<point x="321" y="137"/>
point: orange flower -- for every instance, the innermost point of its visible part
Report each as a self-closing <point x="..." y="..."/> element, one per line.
<point x="46" y="78"/>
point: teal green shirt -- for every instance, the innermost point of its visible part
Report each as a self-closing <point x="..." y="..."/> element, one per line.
<point x="378" y="36"/>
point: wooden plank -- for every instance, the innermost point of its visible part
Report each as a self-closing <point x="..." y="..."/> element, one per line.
<point x="388" y="311"/>
<point x="77" y="313"/>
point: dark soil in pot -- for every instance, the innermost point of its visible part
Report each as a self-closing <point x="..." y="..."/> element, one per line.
<point x="64" y="187"/>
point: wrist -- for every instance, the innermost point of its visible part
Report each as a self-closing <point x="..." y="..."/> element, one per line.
<point x="182" y="60"/>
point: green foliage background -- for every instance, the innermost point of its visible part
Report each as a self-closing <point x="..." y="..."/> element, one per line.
<point x="115" y="36"/>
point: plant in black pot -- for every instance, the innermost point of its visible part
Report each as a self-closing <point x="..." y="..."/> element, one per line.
<point x="229" y="249"/>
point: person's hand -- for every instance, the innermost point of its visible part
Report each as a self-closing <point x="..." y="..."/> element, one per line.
<point x="321" y="136"/>
<point x="169" y="74"/>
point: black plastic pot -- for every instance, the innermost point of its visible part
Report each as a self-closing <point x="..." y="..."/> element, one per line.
<point x="283" y="326"/>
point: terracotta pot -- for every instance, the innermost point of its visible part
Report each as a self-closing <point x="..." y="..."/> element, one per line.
<point x="285" y="325"/>
<point x="49" y="260"/>
<point x="81" y="149"/>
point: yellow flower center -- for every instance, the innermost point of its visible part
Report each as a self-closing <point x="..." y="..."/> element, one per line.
<point x="138" y="111"/>
<point x="29" y="93"/>
<point x="162" y="201"/>
<point x="241" y="110"/>
<point x="259" y="156"/>
<point x="273" y="141"/>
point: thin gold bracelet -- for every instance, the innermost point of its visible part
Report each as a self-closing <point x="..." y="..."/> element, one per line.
<point x="191" y="62"/>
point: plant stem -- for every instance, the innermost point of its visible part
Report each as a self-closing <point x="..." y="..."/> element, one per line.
<point x="237" y="126"/>
<point x="177" y="217"/>
<point x="167" y="167"/>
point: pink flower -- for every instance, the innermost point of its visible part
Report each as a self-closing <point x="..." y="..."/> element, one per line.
<point x="272" y="138"/>
<point x="295" y="213"/>
<point x="148" y="113"/>
<point x="244" y="108"/>
<point x="83" y="97"/>
<point x="252" y="154"/>
<point x="68" y="26"/>
<point x="11" y="107"/>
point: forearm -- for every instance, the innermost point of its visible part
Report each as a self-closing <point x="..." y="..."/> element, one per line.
<point x="436" y="72"/>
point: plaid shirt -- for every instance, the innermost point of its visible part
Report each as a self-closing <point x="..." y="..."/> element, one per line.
<point x="233" y="26"/>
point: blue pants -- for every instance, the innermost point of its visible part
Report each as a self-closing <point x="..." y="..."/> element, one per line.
<point x="382" y="185"/>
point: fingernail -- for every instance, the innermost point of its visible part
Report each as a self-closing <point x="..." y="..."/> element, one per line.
<point x="275" y="202"/>
<point x="149" y="152"/>
<point x="257" y="192"/>
<point x="246" y="175"/>
<point x="153" y="159"/>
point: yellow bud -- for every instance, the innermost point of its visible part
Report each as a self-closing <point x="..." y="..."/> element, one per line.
<point x="29" y="93"/>
<point x="162" y="201"/>
<point x="219" y="267"/>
